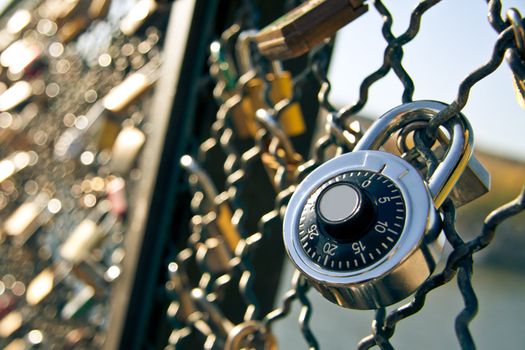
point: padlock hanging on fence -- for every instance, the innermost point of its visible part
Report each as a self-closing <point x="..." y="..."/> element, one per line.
<point x="364" y="227"/>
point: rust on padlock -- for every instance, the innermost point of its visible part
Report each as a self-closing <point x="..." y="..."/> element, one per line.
<point x="306" y="26"/>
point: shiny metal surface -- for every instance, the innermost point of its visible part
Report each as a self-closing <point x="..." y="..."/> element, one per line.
<point x="458" y="157"/>
<point x="407" y="265"/>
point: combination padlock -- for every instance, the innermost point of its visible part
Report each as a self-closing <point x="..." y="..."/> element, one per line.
<point x="364" y="227"/>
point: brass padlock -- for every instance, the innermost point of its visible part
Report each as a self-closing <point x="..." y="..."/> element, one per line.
<point x="306" y="26"/>
<point x="137" y="17"/>
<point x="281" y="87"/>
<point x="71" y="29"/>
<point x="280" y="158"/>
<point x="214" y="203"/>
<point x="101" y="118"/>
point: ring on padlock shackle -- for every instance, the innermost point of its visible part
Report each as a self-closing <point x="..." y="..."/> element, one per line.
<point x="364" y="227"/>
<point x="280" y="158"/>
<point x="221" y="209"/>
<point x="473" y="182"/>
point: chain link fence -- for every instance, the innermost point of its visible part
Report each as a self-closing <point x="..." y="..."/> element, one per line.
<point x="245" y="171"/>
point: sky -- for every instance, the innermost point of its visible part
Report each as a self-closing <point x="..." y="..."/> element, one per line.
<point x="455" y="38"/>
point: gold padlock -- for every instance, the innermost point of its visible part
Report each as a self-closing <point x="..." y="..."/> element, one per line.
<point x="280" y="159"/>
<point x="281" y="87"/>
<point x="240" y="110"/>
<point x="71" y="29"/>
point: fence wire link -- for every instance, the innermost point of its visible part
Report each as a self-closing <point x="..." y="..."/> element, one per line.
<point x="196" y="297"/>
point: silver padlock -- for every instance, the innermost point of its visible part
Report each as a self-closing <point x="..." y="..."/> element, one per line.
<point x="364" y="227"/>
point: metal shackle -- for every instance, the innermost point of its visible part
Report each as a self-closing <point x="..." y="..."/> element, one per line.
<point x="458" y="154"/>
<point x="242" y="50"/>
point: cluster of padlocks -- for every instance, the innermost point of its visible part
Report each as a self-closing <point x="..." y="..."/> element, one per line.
<point x="363" y="212"/>
<point x="362" y="220"/>
<point x="74" y="88"/>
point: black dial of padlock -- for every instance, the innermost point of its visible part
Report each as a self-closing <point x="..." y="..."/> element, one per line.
<point x="352" y="221"/>
<point x="344" y="211"/>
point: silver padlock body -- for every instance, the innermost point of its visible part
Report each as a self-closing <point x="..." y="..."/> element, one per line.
<point x="397" y="284"/>
<point x="399" y="268"/>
